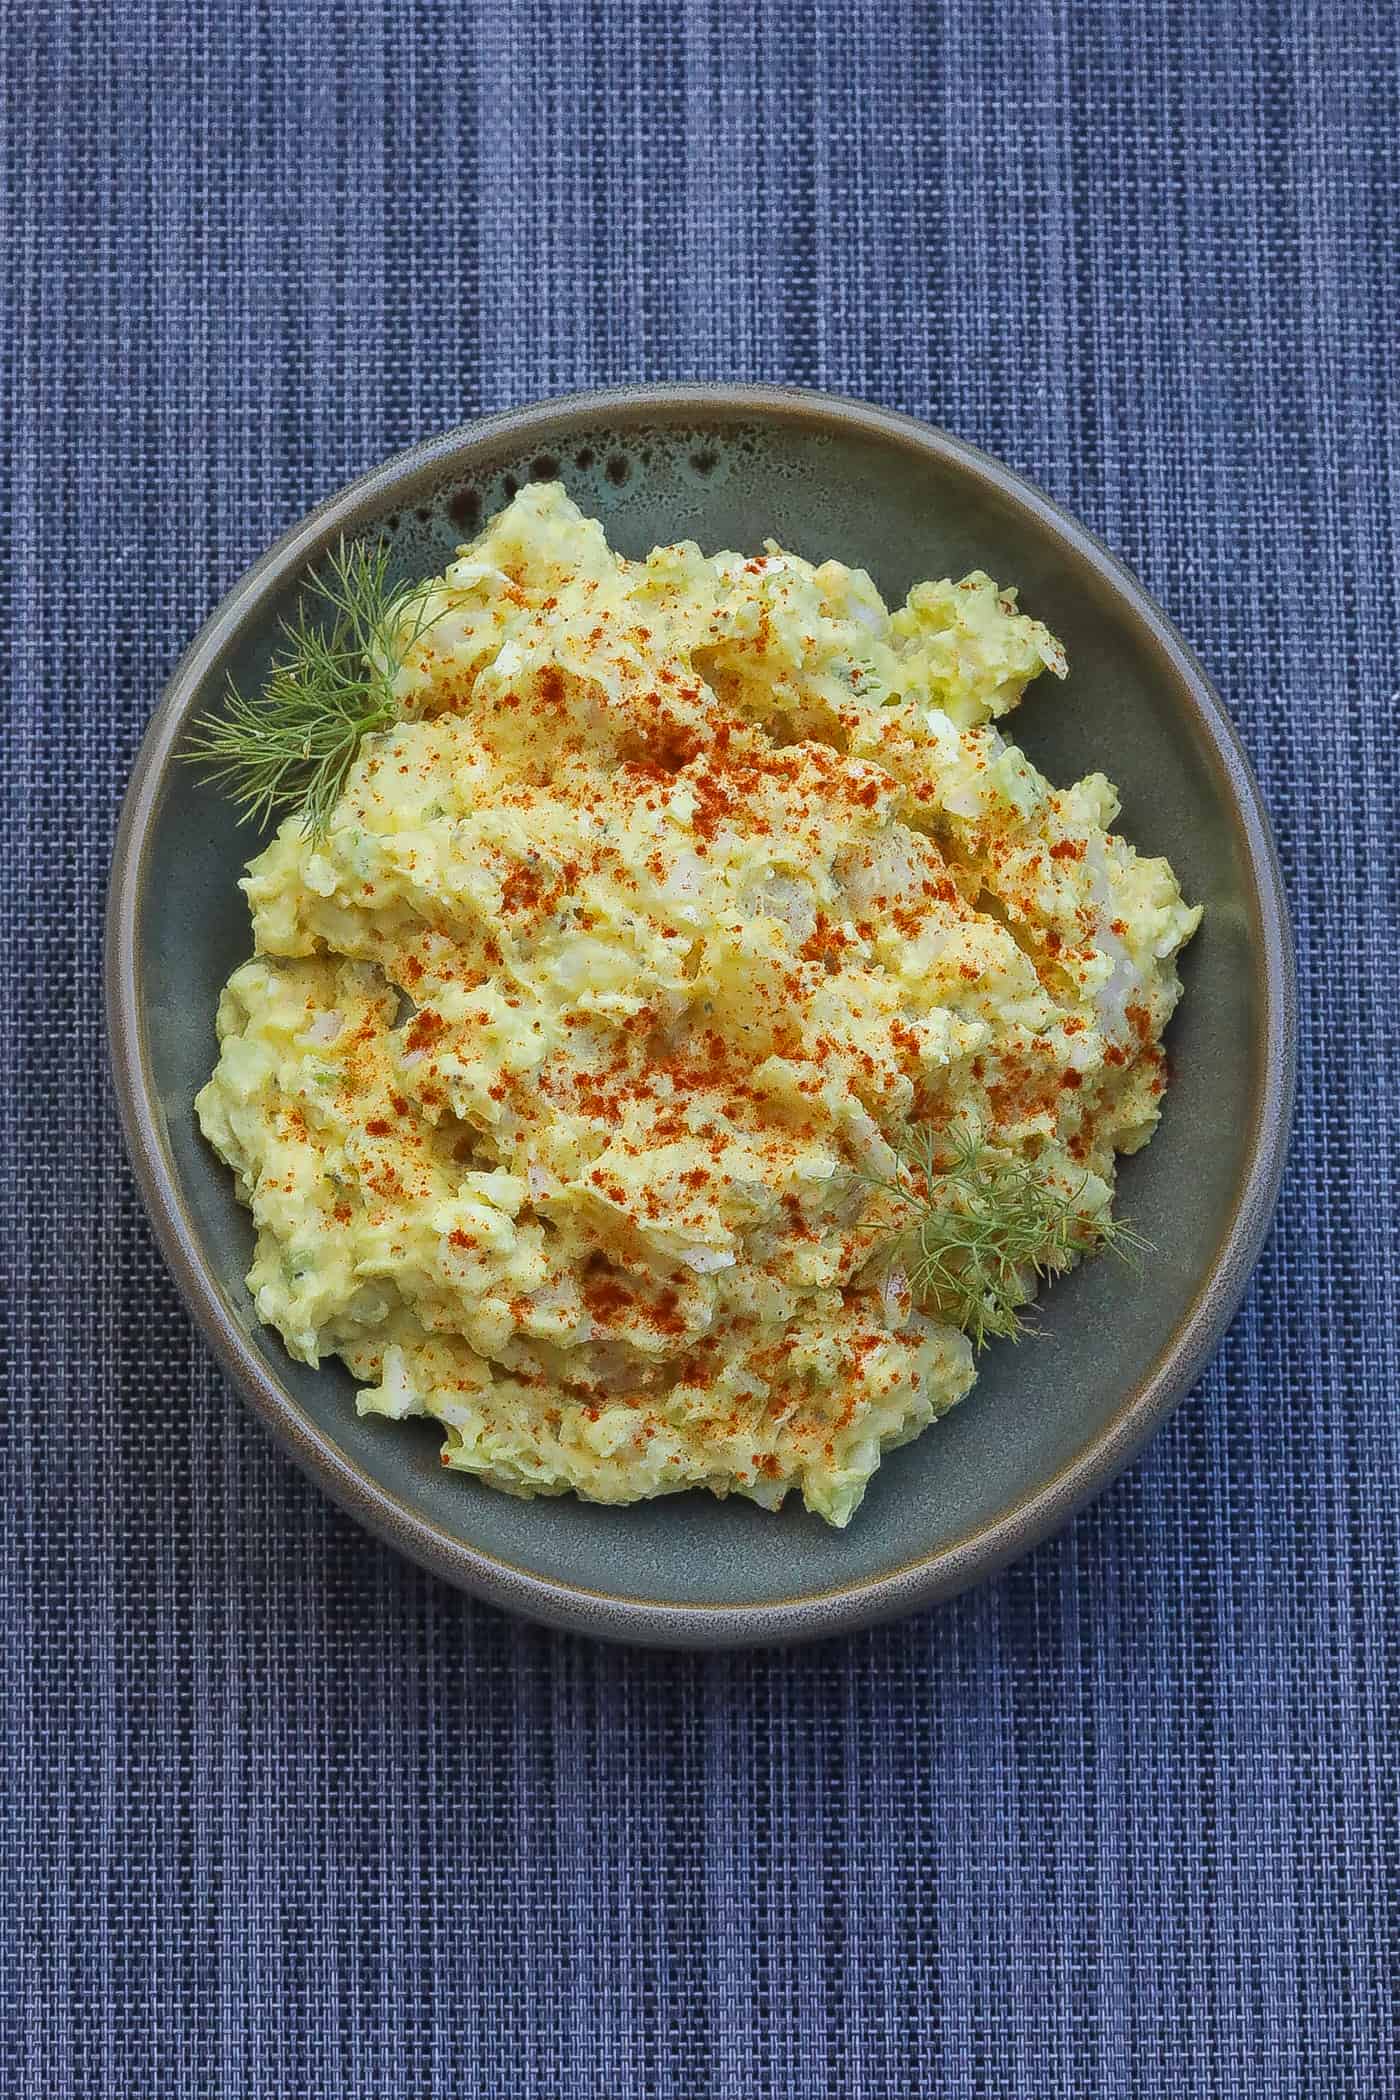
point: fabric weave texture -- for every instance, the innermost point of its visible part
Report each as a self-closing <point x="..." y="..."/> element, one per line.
<point x="285" y="1819"/>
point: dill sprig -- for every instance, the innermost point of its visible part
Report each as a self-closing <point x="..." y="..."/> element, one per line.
<point x="975" y="1228"/>
<point x="291" y="745"/>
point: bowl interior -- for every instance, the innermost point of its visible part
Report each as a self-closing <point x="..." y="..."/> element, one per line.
<point x="731" y="480"/>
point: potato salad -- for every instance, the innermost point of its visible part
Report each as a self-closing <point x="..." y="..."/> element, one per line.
<point x="689" y="1027"/>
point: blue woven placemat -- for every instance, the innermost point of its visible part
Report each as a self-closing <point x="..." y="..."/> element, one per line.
<point x="286" y="1820"/>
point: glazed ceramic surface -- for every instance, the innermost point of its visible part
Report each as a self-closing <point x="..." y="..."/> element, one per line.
<point x="1050" y="1421"/>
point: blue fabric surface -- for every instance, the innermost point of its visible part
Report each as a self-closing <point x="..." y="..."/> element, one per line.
<point x="282" y="1816"/>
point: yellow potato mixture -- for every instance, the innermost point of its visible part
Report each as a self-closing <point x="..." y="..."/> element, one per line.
<point x="573" y="1052"/>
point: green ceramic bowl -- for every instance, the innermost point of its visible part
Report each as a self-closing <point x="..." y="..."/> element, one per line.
<point x="1049" y="1422"/>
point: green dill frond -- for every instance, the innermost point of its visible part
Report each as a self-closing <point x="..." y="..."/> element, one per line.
<point x="975" y="1228"/>
<point x="291" y="745"/>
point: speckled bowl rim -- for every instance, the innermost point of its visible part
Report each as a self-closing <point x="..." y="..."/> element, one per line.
<point x="951" y="1567"/>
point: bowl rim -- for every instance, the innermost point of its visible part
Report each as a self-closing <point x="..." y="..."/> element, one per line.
<point x="926" y="1579"/>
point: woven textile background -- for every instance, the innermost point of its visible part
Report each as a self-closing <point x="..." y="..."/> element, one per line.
<point x="285" y="1818"/>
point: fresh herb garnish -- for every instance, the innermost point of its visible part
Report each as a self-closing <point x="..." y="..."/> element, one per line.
<point x="975" y="1227"/>
<point x="292" y="745"/>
